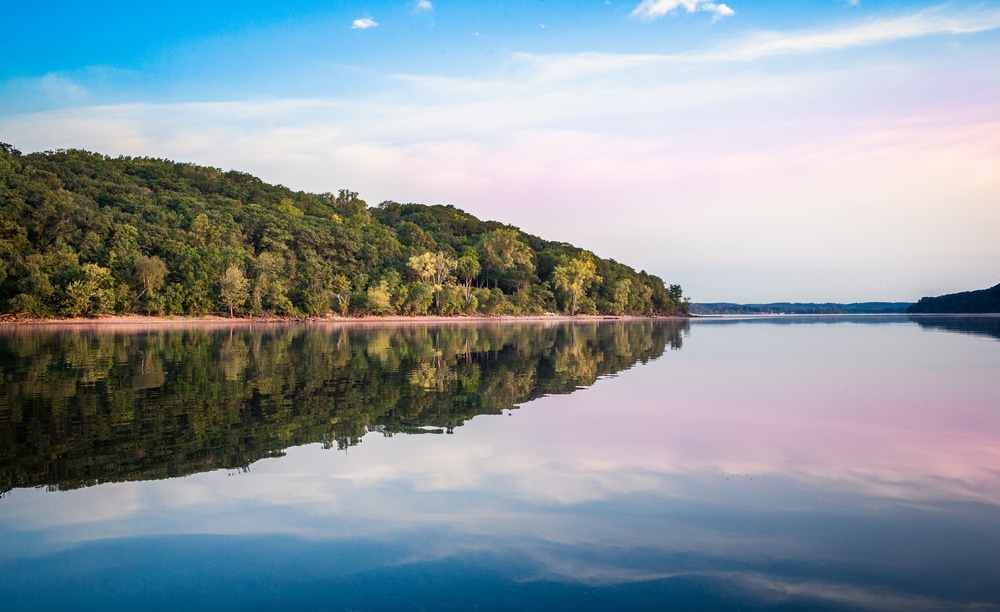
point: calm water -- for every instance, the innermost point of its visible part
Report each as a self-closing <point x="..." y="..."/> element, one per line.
<point x="824" y="463"/>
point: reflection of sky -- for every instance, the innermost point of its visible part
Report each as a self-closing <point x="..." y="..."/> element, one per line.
<point x="859" y="464"/>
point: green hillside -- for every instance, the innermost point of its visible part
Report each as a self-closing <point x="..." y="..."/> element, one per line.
<point x="83" y="234"/>
<point x="966" y="302"/>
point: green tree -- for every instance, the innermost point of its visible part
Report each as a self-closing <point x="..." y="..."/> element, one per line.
<point x="415" y="298"/>
<point x="676" y="293"/>
<point x="313" y="291"/>
<point x="150" y="272"/>
<point x="349" y="204"/>
<point x="620" y="296"/>
<point x="502" y="253"/>
<point x="270" y="293"/>
<point x="340" y="290"/>
<point x="92" y="293"/>
<point x="234" y="289"/>
<point x="575" y="277"/>
<point x="467" y="268"/>
<point x="433" y="268"/>
<point x="379" y="299"/>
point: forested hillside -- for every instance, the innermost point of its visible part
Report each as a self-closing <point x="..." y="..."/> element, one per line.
<point x="82" y="234"/>
<point x="967" y="302"/>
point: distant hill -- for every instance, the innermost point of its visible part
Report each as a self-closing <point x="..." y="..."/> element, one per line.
<point x="725" y="308"/>
<point x="982" y="301"/>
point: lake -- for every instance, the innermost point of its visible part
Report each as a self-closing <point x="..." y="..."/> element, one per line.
<point x="757" y="463"/>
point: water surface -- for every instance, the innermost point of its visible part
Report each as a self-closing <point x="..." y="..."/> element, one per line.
<point x="730" y="463"/>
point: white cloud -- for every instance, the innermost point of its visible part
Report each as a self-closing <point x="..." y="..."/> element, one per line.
<point x="61" y="90"/>
<point x="423" y="5"/>
<point x="363" y="24"/>
<point x="924" y="23"/>
<point x="654" y="9"/>
<point x="932" y="22"/>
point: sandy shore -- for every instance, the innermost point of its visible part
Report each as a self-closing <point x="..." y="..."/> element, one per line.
<point x="112" y="322"/>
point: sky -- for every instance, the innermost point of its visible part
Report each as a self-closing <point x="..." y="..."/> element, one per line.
<point x="751" y="151"/>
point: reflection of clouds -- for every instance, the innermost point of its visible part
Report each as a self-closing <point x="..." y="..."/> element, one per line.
<point x="770" y="588"/>
<point x="581" y="487"/>
<point x="37" y="508"/>
<point x="626" y="436"/>
<point x="441" y="468"/>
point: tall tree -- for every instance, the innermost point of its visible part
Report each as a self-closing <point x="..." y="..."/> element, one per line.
<point x="433" y="268"/>
<point x="576" y="276"/>
<point x="503" y="252"/>
<point x="468" y="269"/>
<point x="340" y="290"/>
<point x="235" y="289"/>
<point x="150" y="272"/>
<point x="622" y="290"/>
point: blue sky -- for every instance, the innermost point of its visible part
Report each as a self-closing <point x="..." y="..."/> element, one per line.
<point x="751" y="151"/>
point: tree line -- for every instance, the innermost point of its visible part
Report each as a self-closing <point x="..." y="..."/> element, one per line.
<point x="982" y="301"/>
<point x="86" y="234"/>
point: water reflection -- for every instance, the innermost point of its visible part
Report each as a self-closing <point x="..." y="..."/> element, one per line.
<point x="982" y="325"/>
<point x="833" y="465"/>
<point x="81" y="408"/>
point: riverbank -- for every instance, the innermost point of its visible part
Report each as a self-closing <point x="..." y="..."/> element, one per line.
<point x="133" y="320"/>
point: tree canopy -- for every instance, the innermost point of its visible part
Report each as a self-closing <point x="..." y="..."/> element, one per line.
<point x="86" y="234"/>
<point x="983" y="301"/>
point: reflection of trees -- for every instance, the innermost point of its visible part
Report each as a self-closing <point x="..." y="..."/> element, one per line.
<point x="79" y="408"/>
<point x="977" y="325"/>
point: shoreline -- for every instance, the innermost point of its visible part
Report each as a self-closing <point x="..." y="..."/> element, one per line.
<point x="133" y="321"/>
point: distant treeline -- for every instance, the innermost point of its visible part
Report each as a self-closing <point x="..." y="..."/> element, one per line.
<point x="967" y="302"/>
<point x="721" y="308"/>
<point x="84" y="234"/>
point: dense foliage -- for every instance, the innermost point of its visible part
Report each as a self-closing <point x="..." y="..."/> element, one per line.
<point x="80" y="408"/>
<point x="82" y="233"/>
<point x="966" y="302"/>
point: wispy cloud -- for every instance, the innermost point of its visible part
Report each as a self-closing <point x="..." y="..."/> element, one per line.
<point x="924" y="23"/>
<point x="61" y="89"/>
<point x="654" y="9"/>
<point x="363" y="24"/>
<point x="761" y="45"/>
<point x="422" y="6"/>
